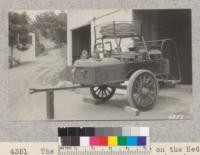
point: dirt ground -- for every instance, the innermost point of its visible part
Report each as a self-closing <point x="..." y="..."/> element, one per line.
<point x="78" y="104"/>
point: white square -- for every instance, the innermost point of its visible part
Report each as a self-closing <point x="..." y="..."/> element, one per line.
<point x="84" y="141"/>
<point x="126" y="131"/>
<point x="135" y="131"/>
<point x="59" y="141"/>
<point x="144" y="131"/>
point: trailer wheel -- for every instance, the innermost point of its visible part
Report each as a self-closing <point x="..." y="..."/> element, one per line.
<point x="142" y="90"/>
<point x="102" y="93"/>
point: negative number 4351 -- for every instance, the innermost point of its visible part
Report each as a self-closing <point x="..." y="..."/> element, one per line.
<point x="18" y="151"/>
<point x="176" y="116"/>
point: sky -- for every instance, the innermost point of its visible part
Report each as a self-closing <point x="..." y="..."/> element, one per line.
<point x="32" y="13"/>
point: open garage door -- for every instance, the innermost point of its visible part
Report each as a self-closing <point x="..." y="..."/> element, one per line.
<point x="174" y="24"/>
<point x="81" y="40"/>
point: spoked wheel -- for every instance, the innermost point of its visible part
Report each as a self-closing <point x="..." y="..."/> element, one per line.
<point x="142" y="90"/>
<point x="102" y="93"/>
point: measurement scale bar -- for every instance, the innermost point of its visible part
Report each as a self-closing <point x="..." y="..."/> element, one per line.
<point x="104" y="141"/>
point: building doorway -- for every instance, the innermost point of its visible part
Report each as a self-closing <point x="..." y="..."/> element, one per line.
<point x="81" y="40"/>
<point x="174" y="24"/>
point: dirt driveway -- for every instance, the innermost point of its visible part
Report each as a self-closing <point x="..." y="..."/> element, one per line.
<point x="43" y="72"/>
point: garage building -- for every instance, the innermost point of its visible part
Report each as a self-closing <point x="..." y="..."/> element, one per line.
<point x="156" y="24"/>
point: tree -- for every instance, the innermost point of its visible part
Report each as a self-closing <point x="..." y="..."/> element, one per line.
<point x="19" y="25"/>
<point x="61" y="29"/>
<point x="52" y="26"/>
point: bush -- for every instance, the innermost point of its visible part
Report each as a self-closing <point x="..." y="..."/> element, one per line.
<point x="52" y="26"/>
<point x="39" y="49"/>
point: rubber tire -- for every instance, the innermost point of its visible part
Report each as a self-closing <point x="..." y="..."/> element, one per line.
<point x="130" y="85"/>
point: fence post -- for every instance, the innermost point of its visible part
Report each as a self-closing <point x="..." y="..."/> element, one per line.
<point x="50" y="104"/>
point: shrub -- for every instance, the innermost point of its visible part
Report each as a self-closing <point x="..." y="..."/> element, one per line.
<point x="39" y="49"/>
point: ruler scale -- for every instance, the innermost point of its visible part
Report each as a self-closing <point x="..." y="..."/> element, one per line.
<point x="104" y="141"/>
<point x="105" y="152"/>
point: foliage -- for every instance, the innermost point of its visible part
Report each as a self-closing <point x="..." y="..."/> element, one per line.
<point x="52" y="26"/>
<point x="48" y="24"/>
<point x="19" y="25"/>
<point x="39" y="47"/>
